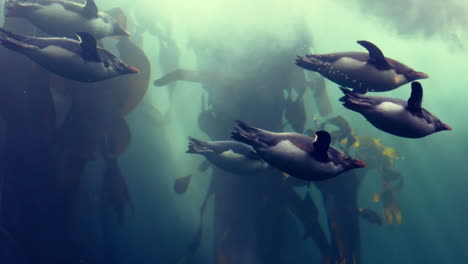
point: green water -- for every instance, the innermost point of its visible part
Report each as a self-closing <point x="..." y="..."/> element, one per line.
<point x="251" y="47"/>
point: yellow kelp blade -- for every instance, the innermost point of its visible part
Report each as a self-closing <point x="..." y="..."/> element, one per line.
<point x="388" y="216"/>
<point x="398" y="216"/>
<point x="376" y="198"/>
<point x="390" y="152"/>
<point x="344" y="141"/>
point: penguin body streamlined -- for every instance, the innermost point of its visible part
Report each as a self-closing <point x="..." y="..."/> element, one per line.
<point x="64" y="18"/>
<point x="297" y="155"/>
<point x="81" y="60"/>
<point x="231" y="156"/>
<point x="395" y="116"/>
<point x="361" y="71"/>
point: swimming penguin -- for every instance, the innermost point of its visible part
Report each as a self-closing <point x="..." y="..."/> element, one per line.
<point x="361" y="71"/>
<point x="64" y="18"/>
<point x="81" y="60"/>
<point x="395" y="116"/>
<point x="296" y="154"/>
<point x="231" y="156"/>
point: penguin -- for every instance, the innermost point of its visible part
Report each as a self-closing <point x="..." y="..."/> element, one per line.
<point x="395" y="116"/>
<point x="307" y="158"/>
<point x="230" y="156"/>
<point x="64" y="18"/>
<point x="361" y="71"/>
<point x="80" y="60"/>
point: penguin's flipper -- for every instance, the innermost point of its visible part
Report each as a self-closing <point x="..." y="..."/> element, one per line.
<point x="89" y="47"/>
<point x="321" y="145"/>
<point x="415" y="100"/>
<point x="90" y="10"/>
<point x="376" y="56"/>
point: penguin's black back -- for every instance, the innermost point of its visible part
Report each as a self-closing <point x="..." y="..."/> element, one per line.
<point x="397" y="66"/>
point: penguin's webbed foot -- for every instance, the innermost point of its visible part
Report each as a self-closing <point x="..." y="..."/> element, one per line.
<point x="246" y="134"/>
<point x="308" y="63"/>
<point x="13" y="44"/>
<point x="197" y="146"/>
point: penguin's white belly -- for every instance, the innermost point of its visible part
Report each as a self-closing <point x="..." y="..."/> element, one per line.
<point x="289" y="158"/>
<point x="353" y="73"/>
<point x="390" y="107"/>
<point x="56" y="20"/>
<point x="231" y="155"/>
<point x="234" y="162"/>
<point x="69" y="64"/>
<point x="239" y="160"/>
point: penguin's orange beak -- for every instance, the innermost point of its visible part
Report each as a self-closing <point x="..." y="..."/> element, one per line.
<point x="119" y="31"/>
<point x="126" y="33"/>
<point x="359" y="163"/>
<point x="422" y="75"/>
<point x="133" y="70"/>
<point x="447" y="127"/>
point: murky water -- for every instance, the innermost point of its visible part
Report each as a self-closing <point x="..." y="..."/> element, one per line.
<point x="98" y="172"/>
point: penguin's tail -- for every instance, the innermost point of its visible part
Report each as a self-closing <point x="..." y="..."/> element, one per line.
<point x="309" y="63"/>
<point x="6" y="33"/>
<point x="354" y="101"/>
<point x="347" y="94"/>
<point x="13" y="41"/>
<point x="14" y="8"/>
<point x="197" y="146"/>
<point x="248" y="135"/>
